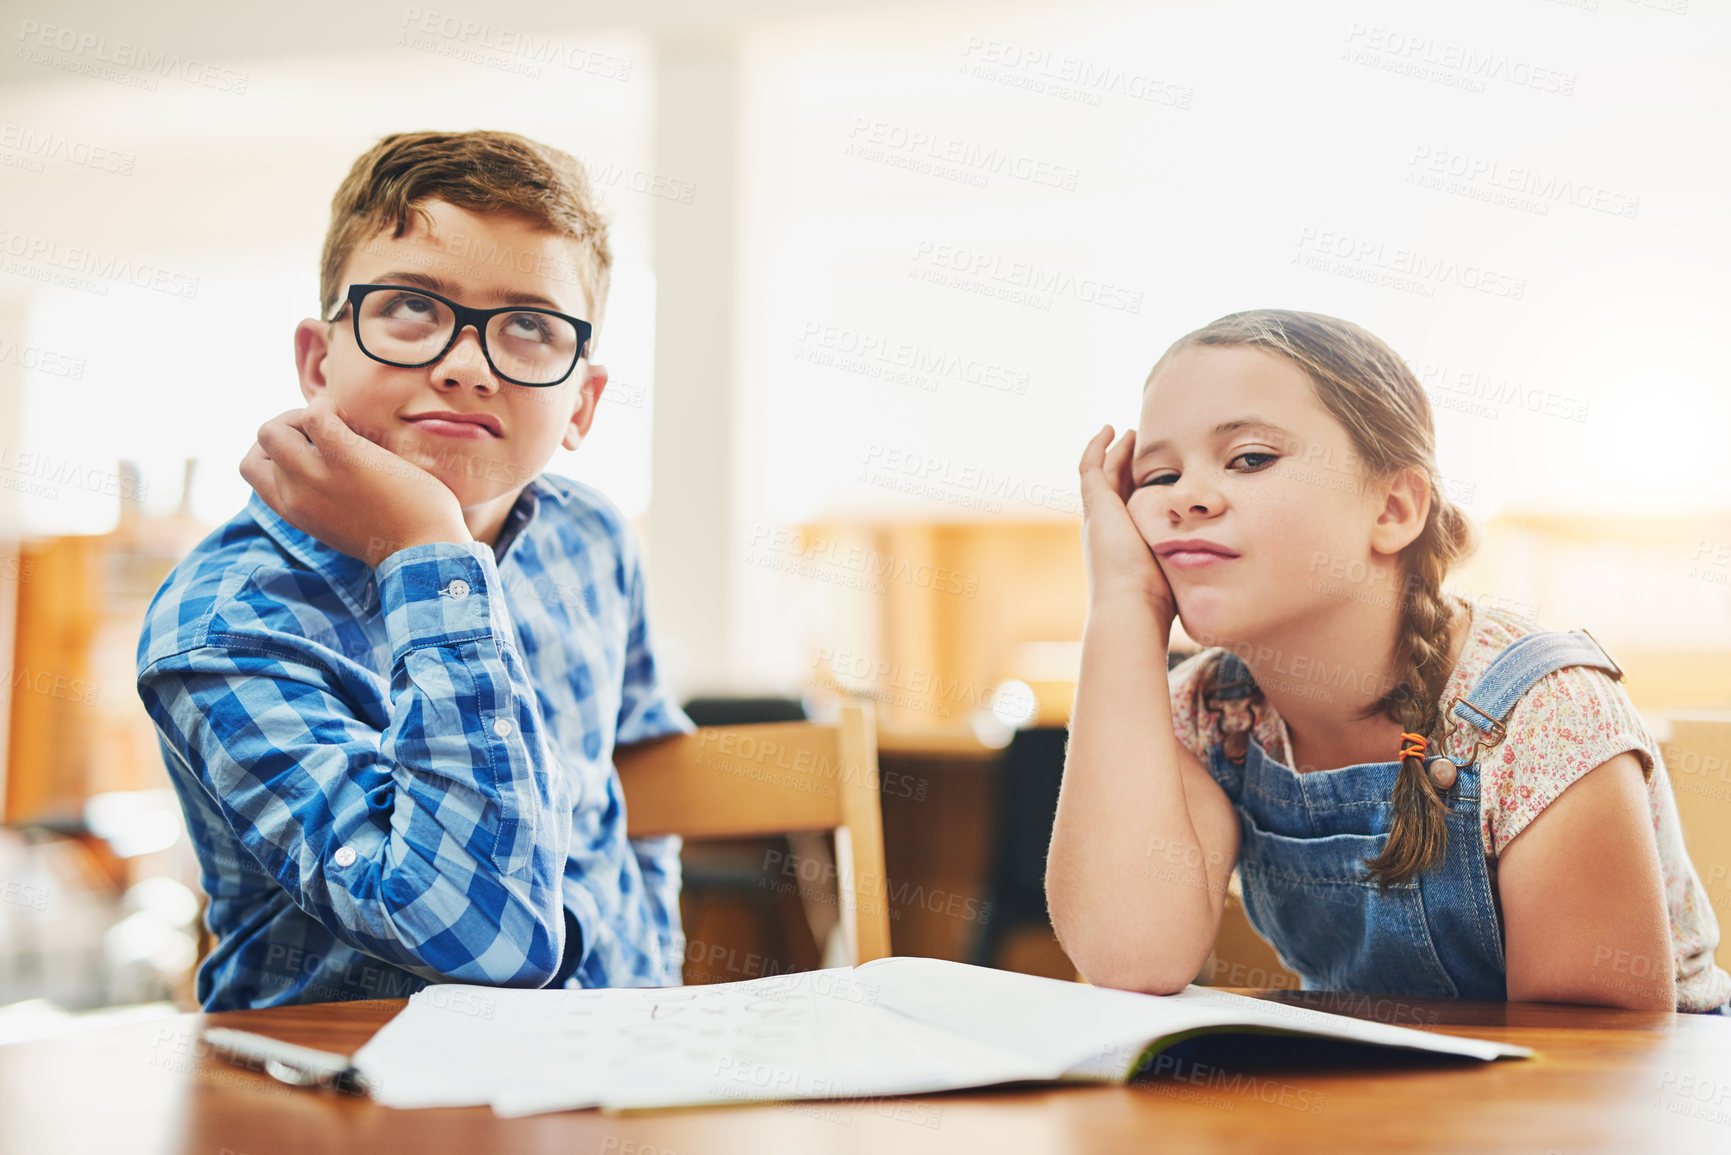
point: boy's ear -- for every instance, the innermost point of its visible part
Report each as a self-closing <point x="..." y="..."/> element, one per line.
<point x="1405" y="507"/>
<point x="312" y="343"/>
<point x="588" y="397"/>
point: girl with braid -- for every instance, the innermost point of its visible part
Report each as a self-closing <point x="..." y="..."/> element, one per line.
<point x="1422" y="794"/>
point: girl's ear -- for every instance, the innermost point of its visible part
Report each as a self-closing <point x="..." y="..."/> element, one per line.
<point x="1405" y="507"/>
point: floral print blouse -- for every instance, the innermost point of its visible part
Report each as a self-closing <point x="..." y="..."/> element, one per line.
<point x="1569" y="722"/>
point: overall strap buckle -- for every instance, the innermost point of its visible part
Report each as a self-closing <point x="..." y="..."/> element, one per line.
<point x="1460" y="708"/>
<point x="1514" y="672"/>
<point x="1230" y="682"/>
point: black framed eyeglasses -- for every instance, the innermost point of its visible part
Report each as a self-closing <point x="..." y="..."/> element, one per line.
<point x="409" y="327"/>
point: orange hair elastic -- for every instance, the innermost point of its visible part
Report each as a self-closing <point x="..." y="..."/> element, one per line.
<point x="1414" y="746"/>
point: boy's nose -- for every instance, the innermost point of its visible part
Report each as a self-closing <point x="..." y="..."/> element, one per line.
<point x="465" y="364"/>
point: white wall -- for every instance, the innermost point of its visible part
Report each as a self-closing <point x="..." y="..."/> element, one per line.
<point x="1284" y="149"/>
<point x="1195" y="157"/>
<point x="227" y="195"/>
<point x="1566" y="308"/>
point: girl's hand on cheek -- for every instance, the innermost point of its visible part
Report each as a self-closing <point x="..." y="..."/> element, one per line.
<point x="1118" y="559"/>
<point x="348" y="491"/>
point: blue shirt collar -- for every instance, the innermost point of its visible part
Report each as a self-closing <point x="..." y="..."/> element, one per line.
<point x="352" y="577"/>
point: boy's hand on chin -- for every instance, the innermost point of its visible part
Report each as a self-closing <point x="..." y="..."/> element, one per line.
<point x="345" y="488"/>
<point x="1118" y="559"/>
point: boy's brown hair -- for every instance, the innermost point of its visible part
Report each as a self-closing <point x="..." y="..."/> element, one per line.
<point x="482" y="172"/>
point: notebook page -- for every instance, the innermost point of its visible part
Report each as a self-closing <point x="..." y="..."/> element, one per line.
<point x="816" y="1034"/>
<point x="1095" y="1032"/>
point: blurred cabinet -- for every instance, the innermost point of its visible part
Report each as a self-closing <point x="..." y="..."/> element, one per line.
<point x="76" y="725"/>
<point x="1655" y="588"/>
<point x="941" y="613"/>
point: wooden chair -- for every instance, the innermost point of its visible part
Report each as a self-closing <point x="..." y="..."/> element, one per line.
<point x="775" y="778"/>
<point x="1698" y="760"/>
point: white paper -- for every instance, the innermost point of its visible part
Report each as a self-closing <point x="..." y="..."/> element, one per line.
<point x="1096" y="1032"/>
<point x="892" y="1027"/>
<point x="813" y="1035"/>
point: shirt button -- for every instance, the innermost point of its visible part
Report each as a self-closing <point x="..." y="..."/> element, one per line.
<point x="346" y="856"/>
<point x="458" y="589"/>
<point x="501" y="726"/>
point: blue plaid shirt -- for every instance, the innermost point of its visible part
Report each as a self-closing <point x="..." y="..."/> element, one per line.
<point x="404" y="775"/>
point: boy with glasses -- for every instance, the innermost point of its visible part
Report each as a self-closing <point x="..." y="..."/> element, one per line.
<point x="389" y="689"/>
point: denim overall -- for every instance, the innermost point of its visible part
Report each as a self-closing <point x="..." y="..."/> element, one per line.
<point x="1304" y="839"/>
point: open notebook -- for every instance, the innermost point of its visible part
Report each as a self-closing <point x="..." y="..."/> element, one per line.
<point x="896" y="1026"/>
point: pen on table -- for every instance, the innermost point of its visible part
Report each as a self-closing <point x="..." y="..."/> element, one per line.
<point x="288" y="1063"/>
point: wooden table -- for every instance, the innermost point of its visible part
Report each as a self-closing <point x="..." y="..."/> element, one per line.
<point x="1612" y="1081"/>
